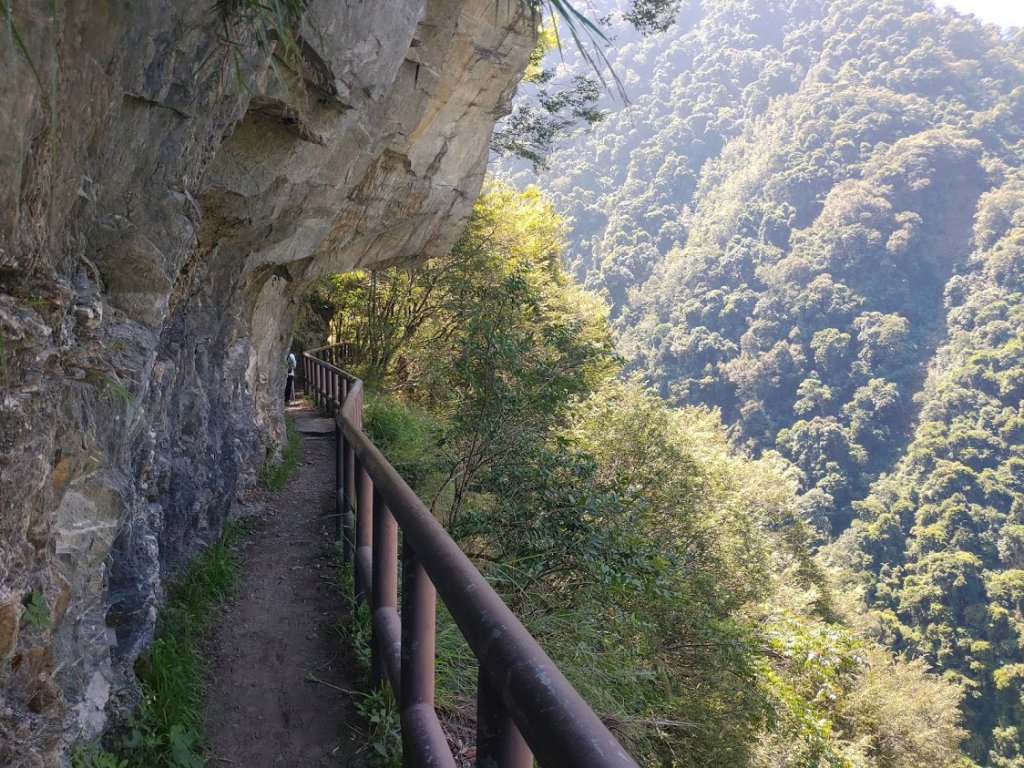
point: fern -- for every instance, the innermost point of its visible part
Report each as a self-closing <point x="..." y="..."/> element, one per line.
<point x="586" y="35"/>
<point x="37" y="612"/>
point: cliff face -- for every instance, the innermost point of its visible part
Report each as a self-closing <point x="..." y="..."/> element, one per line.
<point x="166" y="197"/>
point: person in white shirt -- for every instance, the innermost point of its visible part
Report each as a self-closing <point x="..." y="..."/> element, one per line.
<point x="289" y="386"/>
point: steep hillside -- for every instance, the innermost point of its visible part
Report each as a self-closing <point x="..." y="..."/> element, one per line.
<point x="939" y="544"/>
<point x="795" y="222"/>
<point x="670" y="576"/>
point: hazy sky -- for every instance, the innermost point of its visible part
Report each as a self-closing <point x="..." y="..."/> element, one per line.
<point x="1005" y="12"/>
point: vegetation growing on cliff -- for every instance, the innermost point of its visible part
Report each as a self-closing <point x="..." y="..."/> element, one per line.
<point x="166" y="728"/>
<point x="670" y="577"/>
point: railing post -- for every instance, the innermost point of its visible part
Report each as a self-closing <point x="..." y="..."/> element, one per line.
<point x="312" y="380"/>
<point x="348" y="490"/>
<point x="364" y="533"/>
<point x="345" y="505"/>
<point x="340" y="500"/>
<point x="357" y="411"/>
<point x="423" y="740"/>
<point x="419" y="613"/>
<point x="315" y="363"/>
<point x="498" y="742"/>
<point x="384" y="592"/>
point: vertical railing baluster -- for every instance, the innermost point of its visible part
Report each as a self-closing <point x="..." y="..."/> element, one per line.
<point x="384" y="592"/>
<point x="321" y="383"/>
<point x="340" y="500"/>
<point x="316" y="382"/>
<point x="319" y="387"/>
<point x="357" y="411"/>
<point x="364" y="531"/>
<point x="348" y="513"/>
<point x="419" y="623"/>
<point x="498" y="742"/>
<point x="348" y="472"/>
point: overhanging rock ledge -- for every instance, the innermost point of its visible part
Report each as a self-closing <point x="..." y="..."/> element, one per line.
<point x="166" y="198"/>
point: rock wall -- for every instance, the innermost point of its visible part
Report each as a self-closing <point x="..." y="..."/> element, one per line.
<point x="168" y="189"/>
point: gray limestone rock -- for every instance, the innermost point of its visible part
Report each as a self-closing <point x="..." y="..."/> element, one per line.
<point x="165" y="200"/>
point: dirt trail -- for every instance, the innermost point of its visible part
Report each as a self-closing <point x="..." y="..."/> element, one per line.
<point x="278" y="633"/>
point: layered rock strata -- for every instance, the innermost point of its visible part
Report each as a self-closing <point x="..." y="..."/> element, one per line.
<point x="169" y="186"/>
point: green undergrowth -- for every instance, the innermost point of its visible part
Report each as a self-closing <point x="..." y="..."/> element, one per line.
<point x="377" y="708"/>
<point x="166" y="731"/>
<point x="408" y="437"/>
<point x="282" y="460"/>
<point x="95" y="757"/>
<point x="456" y="668"/>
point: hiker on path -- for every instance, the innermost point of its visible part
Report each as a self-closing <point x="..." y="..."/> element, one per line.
<point x="289" y="386"/>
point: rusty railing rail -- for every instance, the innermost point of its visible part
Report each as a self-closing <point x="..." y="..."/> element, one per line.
<point x="525" y="705"/>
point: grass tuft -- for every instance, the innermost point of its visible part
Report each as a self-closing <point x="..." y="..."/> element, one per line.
<point x="277" y="472"/>
<point x="377" y="708"/>
<point x="166" y="730"/>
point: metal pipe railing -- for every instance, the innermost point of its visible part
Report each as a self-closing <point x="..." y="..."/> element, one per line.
<point x="525" y="705"/>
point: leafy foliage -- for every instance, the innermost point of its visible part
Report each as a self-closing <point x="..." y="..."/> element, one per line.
<point x="938" y="541"/>
<point x="546" y="112"/>
<point x="37" y="612"/>
<point x="669" y="576"/>
<point x="94" y="757"/>
<point x="809" y="220"/>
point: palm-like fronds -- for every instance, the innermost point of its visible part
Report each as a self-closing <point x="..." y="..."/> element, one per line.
<point x="587" y="36"/>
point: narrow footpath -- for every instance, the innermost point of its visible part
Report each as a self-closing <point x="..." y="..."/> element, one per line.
<point x="279" y="668"/>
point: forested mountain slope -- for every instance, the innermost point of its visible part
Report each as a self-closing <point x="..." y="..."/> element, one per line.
<point x="939" y="544"/>
<point x="667" y="574"/>
<point x="810" y="217"/>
